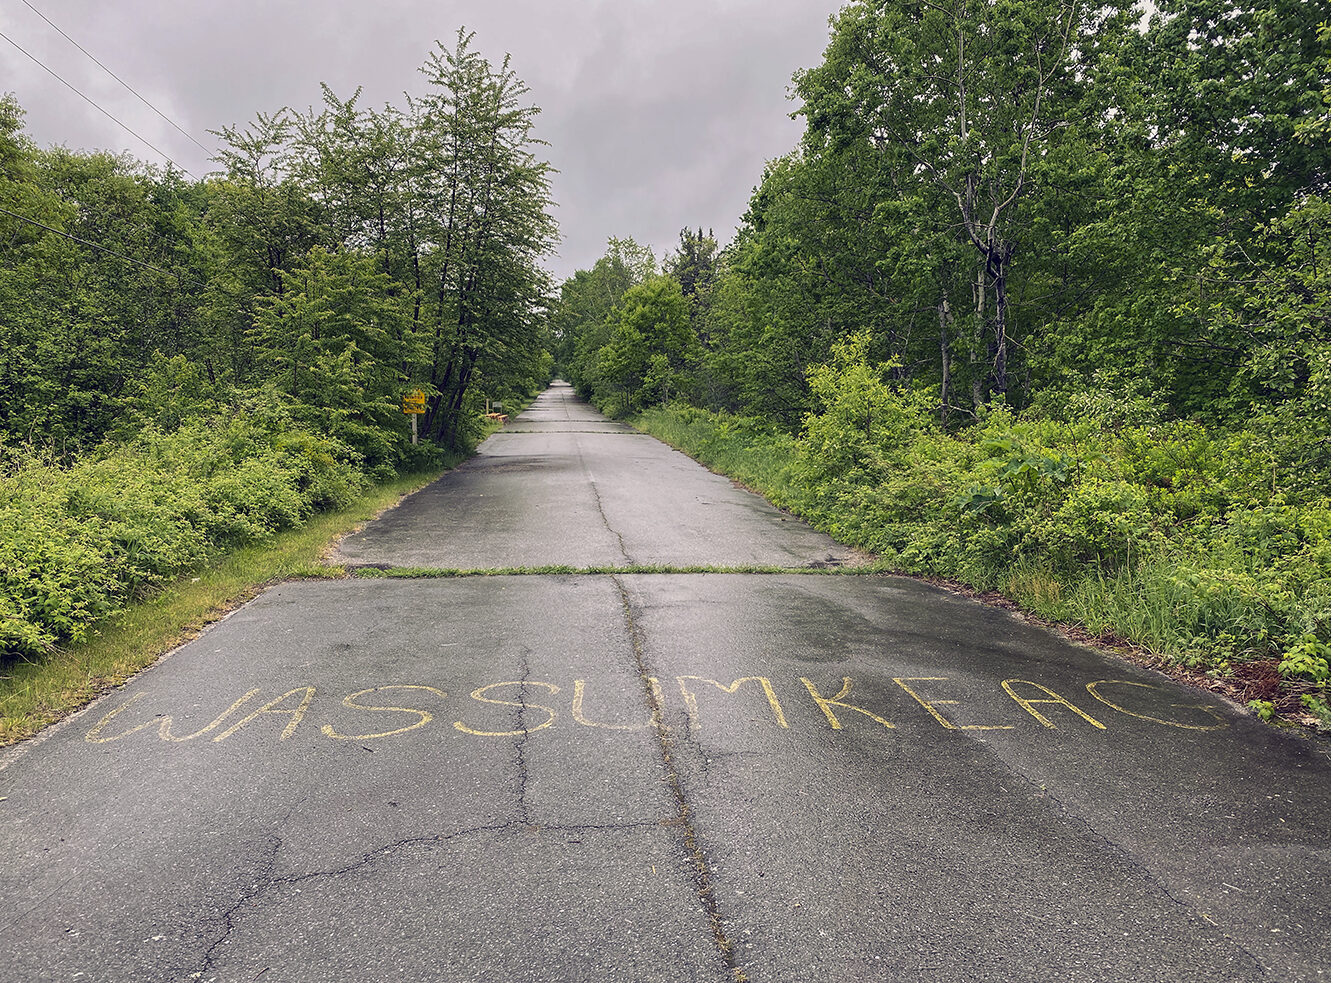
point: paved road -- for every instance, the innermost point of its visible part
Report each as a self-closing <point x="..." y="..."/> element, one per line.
<point x="788" y="776"/>
<point x="564" y="486"/>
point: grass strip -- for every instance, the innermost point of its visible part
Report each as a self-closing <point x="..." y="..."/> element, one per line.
<point x="377" y="571"/>
<point x="36" y="693"/>
<point x="606" y="433"/>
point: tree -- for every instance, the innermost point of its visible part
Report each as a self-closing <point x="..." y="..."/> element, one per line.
<point x="488" y="218"/>
<point x="580" y="318"/>
<point x="649" y="332"/>
<point x="341" y="256"/>
<point x="1201" y="243"/>
<point x="333" y="340"/>
<point x="962" y="99"/>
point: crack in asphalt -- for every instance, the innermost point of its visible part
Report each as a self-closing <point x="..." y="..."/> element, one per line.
<point x="265" y="882"/>
<point x="263" y="879"/>
<point x="597" y="497"/>
<point x="228" y="916"/>
<point x="703" y="869"/>
<point x="1128" y="856"/>
<point x="521" y="743"/>
<point x="705" y="756"/>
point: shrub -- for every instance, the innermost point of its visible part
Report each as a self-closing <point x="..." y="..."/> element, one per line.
<point x="79" y="540"/>
<point x="1202" y="545"/>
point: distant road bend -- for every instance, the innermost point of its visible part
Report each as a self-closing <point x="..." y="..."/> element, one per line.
<point x="644" y="771"/>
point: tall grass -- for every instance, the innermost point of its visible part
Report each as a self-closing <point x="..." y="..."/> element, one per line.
<point x="745" y="449"/>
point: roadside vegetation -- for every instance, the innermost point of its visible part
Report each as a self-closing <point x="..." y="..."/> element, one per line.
<point x="1047" y="315"/>
<point x="207" y="375"/>
<point x="1164" y="537"/>
<point x="37" y="691"/>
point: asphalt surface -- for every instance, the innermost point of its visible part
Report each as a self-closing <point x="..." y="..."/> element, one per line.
<point x="563" y="486"/>
<point x="632" y="775"/>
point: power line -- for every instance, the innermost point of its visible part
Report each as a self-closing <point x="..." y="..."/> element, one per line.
<point x="93" y="245"/>
<point x="94" y="105"/>
<point x="171" y="240"/>
<point x="116" y="77"/>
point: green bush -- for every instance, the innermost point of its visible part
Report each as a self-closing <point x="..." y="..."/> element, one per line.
<point x="1202" y="545"/>
<point x="79" y="540"/>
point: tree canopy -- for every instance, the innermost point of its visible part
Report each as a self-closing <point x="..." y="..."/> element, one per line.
<point x="338" y="258"/>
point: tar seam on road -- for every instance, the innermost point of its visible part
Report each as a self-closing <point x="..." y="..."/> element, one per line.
<point x="387" y="570"/>
<point x="597" y="496"/>
<point x="703" y="876"/>
<point x="605" y="433"/>
<point x="520" y="743"/>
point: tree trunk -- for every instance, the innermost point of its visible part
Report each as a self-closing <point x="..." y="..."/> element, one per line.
<point x="946" y="335"/>
<point x="979" y="388"/>
<point x="1000" y="357"/>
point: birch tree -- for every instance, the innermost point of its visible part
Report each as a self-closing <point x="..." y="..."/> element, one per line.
<point x="964" y="98"/>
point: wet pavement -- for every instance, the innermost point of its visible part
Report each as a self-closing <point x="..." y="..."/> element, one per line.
<point x="629" y="775"/>
<point x="563" y="486"/>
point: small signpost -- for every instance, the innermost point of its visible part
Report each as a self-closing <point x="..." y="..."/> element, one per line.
<point x="414" y="404"/>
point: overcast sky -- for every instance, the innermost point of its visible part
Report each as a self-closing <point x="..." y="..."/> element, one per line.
<point x="659" y="113"/>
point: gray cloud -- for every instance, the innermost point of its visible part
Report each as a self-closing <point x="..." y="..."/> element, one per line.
<point x="659" y="114"/>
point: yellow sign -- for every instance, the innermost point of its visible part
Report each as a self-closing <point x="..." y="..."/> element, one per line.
<point x="414" y="402"/>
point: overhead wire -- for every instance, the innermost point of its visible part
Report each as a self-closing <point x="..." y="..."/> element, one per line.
<point x="93" y="245"/>
<point x="109" y="252"/>
<point x="166" y="239"/>
<point x="117" y="78"/>
<point x="90" y="102"/>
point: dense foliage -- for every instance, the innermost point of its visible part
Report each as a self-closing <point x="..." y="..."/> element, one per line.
<point x="83" y="539"/>
<point x="187" y="364"/>
<point x="1040" y="301"/>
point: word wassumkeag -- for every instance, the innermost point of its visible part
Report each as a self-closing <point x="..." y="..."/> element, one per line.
<point x="513" y="708"/>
